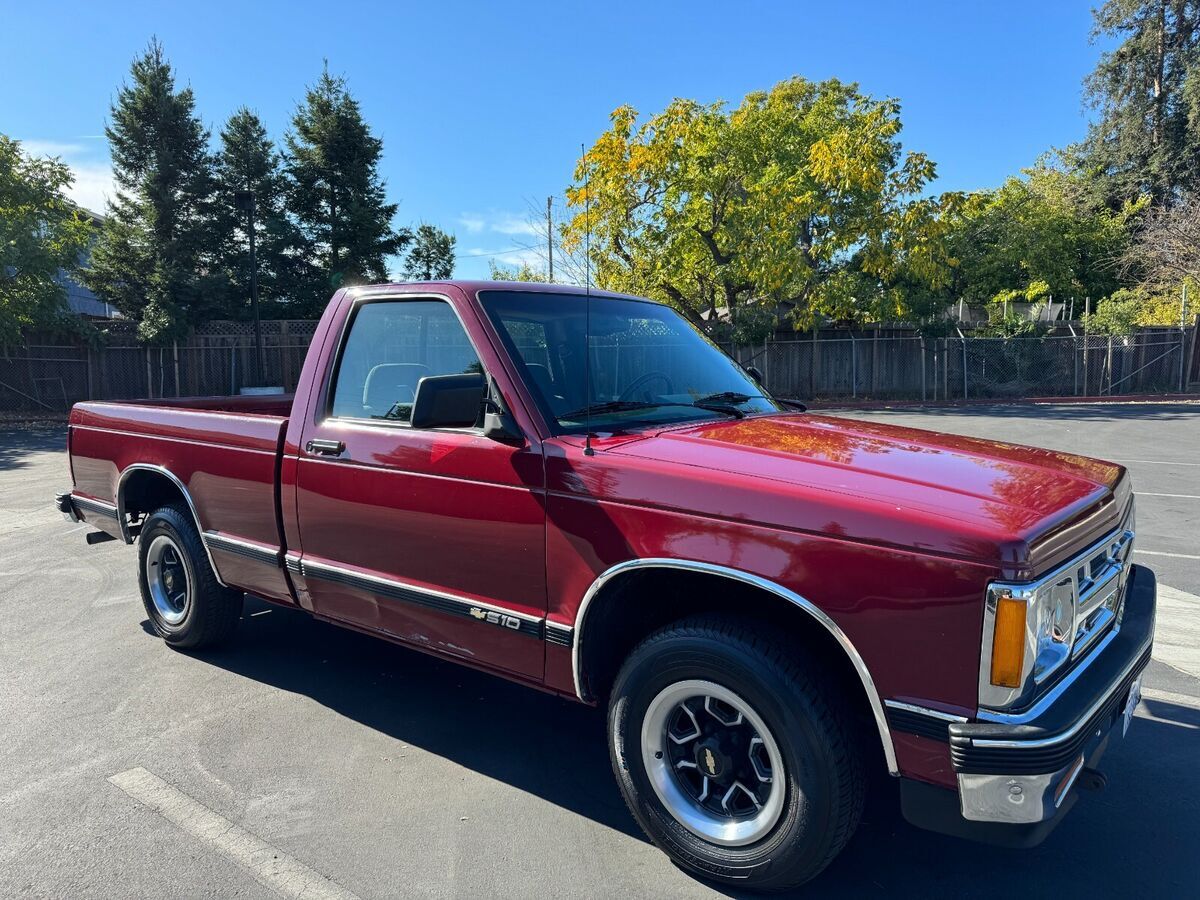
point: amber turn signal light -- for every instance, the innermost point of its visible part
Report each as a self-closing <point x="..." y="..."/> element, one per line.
<point x="1008" y="643"/>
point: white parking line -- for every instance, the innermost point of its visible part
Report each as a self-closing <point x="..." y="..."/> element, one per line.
<point x="269" y="865"/>
<point x="1161" y="553"/>
<point x="1178" y="496"/>
<point x="1177" y="630"/>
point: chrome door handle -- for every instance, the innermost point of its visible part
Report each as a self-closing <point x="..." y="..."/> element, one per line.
<point x="325" y="448"/>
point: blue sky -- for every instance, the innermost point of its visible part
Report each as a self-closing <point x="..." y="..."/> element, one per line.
<point x="482" y="106"/>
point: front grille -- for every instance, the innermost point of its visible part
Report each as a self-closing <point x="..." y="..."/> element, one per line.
<point x="1100" y="577"/>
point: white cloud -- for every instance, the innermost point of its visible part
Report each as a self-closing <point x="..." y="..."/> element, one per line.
<point x="509" y="259"/>
<point x="93" y="185"/>
<point x="52" y="148"/>
<point x="497" y="222"/>
<point x="514" y="226"/>
<point x="534" y="258"/>
<point x="501" y="237"/>
<point x="473" y="223"/>
<point x="93" y="174"/>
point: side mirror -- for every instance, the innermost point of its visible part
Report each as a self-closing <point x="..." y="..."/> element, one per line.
<point x="755" y="373"/>
<point x="447" y="401"/>
<point x="498" y="423"/>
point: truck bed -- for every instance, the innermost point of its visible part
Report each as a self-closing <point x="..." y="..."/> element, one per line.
<point x="260" y="405"/>
<point x="218" y="455"/>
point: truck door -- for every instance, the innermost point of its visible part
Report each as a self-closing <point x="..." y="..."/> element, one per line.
<point x="435" y="536"/>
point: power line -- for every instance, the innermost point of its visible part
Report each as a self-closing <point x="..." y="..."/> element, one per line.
<point x="522" y="249"/>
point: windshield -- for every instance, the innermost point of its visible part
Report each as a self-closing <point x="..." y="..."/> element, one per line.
<point x="649" y="366"/>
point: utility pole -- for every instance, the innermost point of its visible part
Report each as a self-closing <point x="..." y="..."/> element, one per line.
<point x="1183" y="338"/>
<point x="245" y="202"/>
<point x="550" y="238"/>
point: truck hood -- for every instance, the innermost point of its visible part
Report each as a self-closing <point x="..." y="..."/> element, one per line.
<point x="921" y="489"/>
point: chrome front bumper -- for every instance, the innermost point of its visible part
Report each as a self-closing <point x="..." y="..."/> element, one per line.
<point x="1024" y="772"/>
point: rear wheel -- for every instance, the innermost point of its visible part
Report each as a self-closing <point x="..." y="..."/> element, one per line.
<point x="735" y="756"/>
<point x="186" y="604"/>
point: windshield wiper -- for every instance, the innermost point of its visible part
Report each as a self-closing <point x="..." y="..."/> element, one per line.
<point x="609" y="406"/>
<point x="736" y="397"/>
<point x="727" y="397"/>
<point x="720" y="407"/>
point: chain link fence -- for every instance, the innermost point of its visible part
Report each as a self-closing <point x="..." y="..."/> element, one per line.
<point x="886" y="365"/>
<point x="47" y="376"/>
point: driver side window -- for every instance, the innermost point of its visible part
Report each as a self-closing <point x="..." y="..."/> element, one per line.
<point x="390" y="347"/>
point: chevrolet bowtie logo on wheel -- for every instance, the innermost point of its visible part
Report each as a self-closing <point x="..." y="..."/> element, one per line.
<point x="710" y="762"/>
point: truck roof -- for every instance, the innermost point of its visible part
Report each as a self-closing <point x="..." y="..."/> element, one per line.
<point x="473" y="286"/>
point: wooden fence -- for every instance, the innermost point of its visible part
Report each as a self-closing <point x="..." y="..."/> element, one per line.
<point x="48" y="375"/>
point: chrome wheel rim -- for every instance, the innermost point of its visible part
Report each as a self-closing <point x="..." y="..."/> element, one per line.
<point x="713" y="762"/>
<point x="167" y="576"/>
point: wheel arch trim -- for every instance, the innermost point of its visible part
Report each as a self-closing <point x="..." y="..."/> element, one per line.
<point x="161" y="471"/>
<point x="860" y="666"/>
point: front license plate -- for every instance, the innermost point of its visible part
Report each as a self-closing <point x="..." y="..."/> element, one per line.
<point x="1135" y="697"/>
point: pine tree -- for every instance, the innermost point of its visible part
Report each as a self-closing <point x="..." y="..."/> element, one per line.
<point x="432" y="255"/>
<point x="1147" y="92"/>
<point x="153" y="259"/>
<point x="335" y="191"/>
<point x="248" y="161"/>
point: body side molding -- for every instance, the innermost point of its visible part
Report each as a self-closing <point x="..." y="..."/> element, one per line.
<point x="96" y="506"/>
<point x="430" y="598"/>
<point x="921" y="720"/>
<point x="248" y="549"/>
<point x="848" y="648"/>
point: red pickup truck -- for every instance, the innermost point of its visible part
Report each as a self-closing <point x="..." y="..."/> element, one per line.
<point x="583" y="494"/>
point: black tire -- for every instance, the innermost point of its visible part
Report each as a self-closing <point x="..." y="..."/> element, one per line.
<point x="211" y="612"/>
<point x="809" y="720"/>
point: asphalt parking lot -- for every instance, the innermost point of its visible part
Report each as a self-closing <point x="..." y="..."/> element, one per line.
<point x="363" y="769"/>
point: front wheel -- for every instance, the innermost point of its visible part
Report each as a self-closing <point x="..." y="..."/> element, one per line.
<point x="186" y="604"/>
<point x="735" y="757"/>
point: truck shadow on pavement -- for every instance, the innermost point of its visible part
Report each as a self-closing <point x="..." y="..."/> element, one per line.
<point x="1139" y="837"/>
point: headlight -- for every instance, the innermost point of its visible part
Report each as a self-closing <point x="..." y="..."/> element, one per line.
<point x="1032" y="630"/>
<point x="1028" y="633"/>
<point x="1055" y="627"/>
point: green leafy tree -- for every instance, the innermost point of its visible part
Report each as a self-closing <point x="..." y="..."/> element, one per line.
<point x="1038" y="237"/>
<point x="336" y="193"/>
<point x="1127" y="309"/>
<point x="41" y="235"/>
<point x="248" y="161"/>
<point x="153" y="259"/>
<point x="431" y="256"/>
<point x="1146" y="138"/>
<point x="522" y="272"/>
<point x="799" y="200"/>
